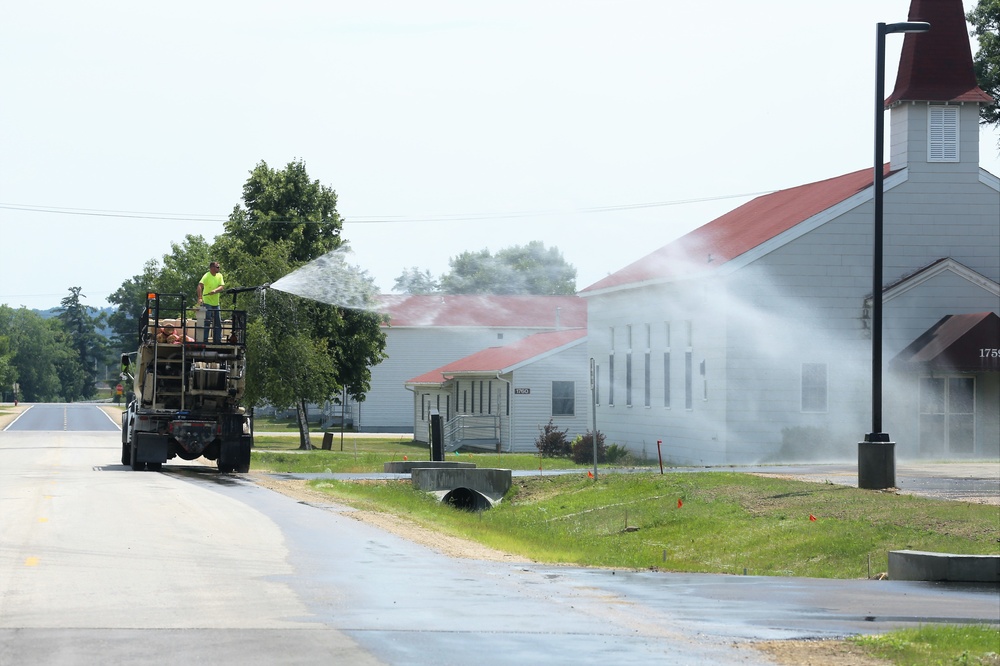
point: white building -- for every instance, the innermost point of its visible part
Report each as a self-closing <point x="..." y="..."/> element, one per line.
<point x="503" y="396"/>
<point x="748" y="339"/>
<point x="428" y="331"/>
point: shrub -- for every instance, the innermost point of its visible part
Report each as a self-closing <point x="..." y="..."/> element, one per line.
<point x="583" y="448"/>
<point x="618" y="454"/>
<point x="552" y="442"/>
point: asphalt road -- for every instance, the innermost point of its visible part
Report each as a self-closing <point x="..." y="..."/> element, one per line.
<point x="99" y="564"/>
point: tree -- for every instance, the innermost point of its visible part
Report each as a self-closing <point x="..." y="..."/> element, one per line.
<point x="527" y="269"/>
<point x="298" y="350"/>
<point x="985" y="20"/>
<point x="130" y="299"/>
<point x="35" y="353"/>
<point x="179" y="274"/>
<point x="8" y="373"/>
<point x="415" y="281"/>
<point x="79" y="372"/>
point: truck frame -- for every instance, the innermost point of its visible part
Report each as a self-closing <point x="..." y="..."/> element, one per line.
<point x="187" y="393"/>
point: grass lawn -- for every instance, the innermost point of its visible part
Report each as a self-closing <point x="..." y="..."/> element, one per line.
<point x="712" y="522"/>
<point x="967" y="645"/>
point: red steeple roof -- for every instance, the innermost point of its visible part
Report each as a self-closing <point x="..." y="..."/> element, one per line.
<point x="936" y="66"/>
<point x="738" y="231"/>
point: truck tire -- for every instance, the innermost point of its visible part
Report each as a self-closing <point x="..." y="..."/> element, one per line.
<point x="126" y="454"/>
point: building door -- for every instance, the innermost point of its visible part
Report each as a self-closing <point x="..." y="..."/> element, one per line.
<point x="947" y="416"/>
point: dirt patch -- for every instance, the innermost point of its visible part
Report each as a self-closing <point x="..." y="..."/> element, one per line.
<point x="443" y="543"/>
<point x="9" y="412"/>
<point x="816" y="653"/>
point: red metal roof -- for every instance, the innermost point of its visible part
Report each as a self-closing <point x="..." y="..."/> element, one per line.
<point x="739" y="230"/>
<point x="936" y="66"/>
<point x="501" y="359"/>
<point x="956" y="342"/>
<point x="485" y="310"/>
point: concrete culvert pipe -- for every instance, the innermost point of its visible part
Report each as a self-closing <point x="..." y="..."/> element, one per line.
<point x="467" y="499"/>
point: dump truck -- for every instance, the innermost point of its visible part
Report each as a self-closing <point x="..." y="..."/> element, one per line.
<point x="187" y="389"/>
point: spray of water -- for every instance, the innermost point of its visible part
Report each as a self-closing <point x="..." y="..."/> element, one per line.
<point x="330" y="279"/>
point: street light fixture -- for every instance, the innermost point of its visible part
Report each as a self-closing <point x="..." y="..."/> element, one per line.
<point x="876" y="458"/>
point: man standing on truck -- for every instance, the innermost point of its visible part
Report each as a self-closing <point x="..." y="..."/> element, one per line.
<point x="209" y="288"/>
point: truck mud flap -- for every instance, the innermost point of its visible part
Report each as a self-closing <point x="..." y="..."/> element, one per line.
<point x="234" y="454"/>
<point x="151" y="448"/>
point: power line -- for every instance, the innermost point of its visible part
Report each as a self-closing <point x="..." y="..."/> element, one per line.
<point x="373" y="219"/>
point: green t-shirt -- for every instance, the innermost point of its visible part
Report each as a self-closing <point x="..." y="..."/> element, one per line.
<point x="211" y="282"/>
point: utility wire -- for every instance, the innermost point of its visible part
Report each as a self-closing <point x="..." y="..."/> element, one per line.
<point x="371" y="219"/>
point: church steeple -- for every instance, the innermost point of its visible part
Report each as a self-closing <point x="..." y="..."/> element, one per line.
<point x="936" y="66"/>
<point x="935" y="104"/>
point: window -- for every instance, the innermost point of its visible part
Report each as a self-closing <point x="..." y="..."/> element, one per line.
<point x="645" y="386"/>
<point x="611" y="379"/>
<point x="942" y="134"/>
<point x="667" y="336"/>
<point x="423" y="406"/>
<point x="688" y="381"/>
<point x="947" y="416"/>
<point x="628" y="336"/>
<point x="666" y="379"/>
<point x="628" y="379"/>
<point x="689" y="331"/>
<point x="814" y="389"/>
<point x="563" y="398"/>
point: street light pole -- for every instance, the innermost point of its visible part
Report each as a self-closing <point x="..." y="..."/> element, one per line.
<point x="877" y="450"/>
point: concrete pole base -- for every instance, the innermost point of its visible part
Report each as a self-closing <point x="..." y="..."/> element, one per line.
<point x="876" y="465"/>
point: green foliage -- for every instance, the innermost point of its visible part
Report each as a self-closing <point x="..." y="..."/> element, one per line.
<point x="415" y="281"/>
<point x="298" y="350"/>
<point x="8" y="373"/>
<point x="527" y="269"/>
<point x="39" y="354"/>
<point x="129" y="301"/>
<point x="282" y="207"/>
<point x="78" y="369"/>
<point x="552" y="442"/>
<point x="616" y="454"/>
<point x="583" y="448"/>
<point x="180" y="272"/>
<point x="985" y="20"/>
<point x="971" y="645"/>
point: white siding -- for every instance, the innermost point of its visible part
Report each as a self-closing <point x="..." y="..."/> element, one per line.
<point x="412" y="352"/>
<point x="804" y="302"/>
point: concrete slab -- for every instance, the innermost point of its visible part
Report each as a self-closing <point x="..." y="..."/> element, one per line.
<point x="407" y="466"/>
<point x="950" y="567"/>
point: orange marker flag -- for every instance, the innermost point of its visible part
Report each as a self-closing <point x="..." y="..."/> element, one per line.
<point x="812" y="518"/>
<point x="405" y="458"/>
<point x="590" y="474"/>
<point x="679" y="503"/>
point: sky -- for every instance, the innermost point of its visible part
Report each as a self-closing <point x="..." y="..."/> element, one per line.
<point x="605" y="128"/>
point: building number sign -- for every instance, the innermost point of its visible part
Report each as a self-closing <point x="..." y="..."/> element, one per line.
<point x="522" y="391"/>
